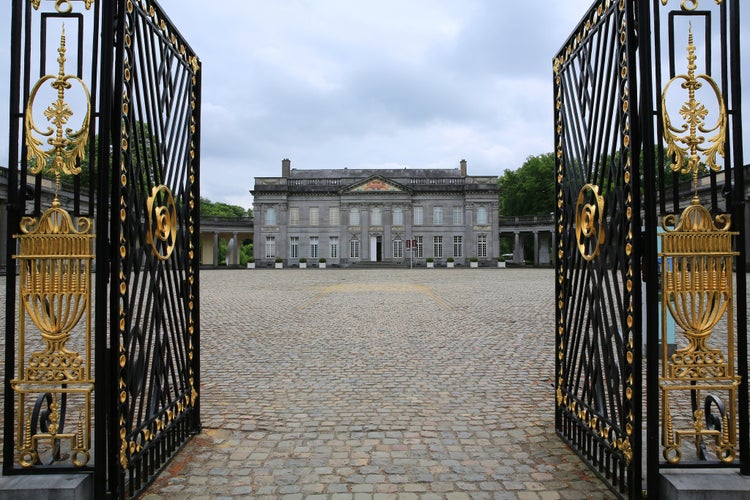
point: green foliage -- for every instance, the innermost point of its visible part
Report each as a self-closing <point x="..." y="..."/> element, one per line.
<point x="530" y="190"/>
<point x="246" y="254"/>
<point x="218" y="209"/>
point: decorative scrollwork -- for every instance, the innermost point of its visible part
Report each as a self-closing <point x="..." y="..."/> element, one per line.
<point x="62" y="6"/>
<point x="162" y="222"/>
<point x="67" y="145"/>
<point x="685" y="142"/>
<point x="589" y="224"/>
<point x="689" y="5"/>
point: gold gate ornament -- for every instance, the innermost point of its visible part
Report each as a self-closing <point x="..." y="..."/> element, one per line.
<point x="55" y="258"/>
<point x="697" y="271"/>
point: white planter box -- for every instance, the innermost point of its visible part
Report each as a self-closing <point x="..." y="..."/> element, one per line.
<point x="251" y="265"/>
<point x="450" y="264"/>
<point x="501" y="264"/>
<point x="473" y="264"/>
<point x="303" y="265"/>
<point x="279" y="265"/>
<point x="430" y="264"/>
<point x="322" y="265"/>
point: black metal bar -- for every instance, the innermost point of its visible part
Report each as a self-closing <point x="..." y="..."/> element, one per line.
<point x="634" y="187"/>
<point x="646" y="247"/>
<point x="13" y="218"/>
<point x="738" y="216"/>
<point x="196" y="220"/>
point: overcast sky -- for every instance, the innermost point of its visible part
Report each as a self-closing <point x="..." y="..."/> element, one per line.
<point x="366" y="84"/>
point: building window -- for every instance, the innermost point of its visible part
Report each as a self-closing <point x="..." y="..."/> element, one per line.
<point x="458" y="246"/>
<point x="437" y="246"/>
<point x="482" y="215"/>
<point x="419" y="247"/>
<point x="398" y="216"/>
<point x="314" y="216"/>
<point x="333" y="247"/>
<point x="270" y="216"/>
<point x="398" y="249"/>
<point x="354" y="248"/>
<point x="376" y="216"/>
<point x="418" y="216"/>
<point x="270" y="247"/>
<point x="437" y="215"/>
<point x="482" y="245"/>
<point x="458" y="216"/>
<point x="314" y="247"/>
<point x="333" y="216"/>
<point x="294" y="216"/>
<point x="294" y="247"/>
<point x="354" y="217"/>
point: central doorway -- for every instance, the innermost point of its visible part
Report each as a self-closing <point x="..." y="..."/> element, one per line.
<point x="376" y="248"/>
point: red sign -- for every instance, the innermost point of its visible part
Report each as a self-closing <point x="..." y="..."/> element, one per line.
<point x="408" y="244"/>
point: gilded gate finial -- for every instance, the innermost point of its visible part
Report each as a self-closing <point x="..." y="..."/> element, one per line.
<point x="692" y="133"/>
<point x="67" y="146"/>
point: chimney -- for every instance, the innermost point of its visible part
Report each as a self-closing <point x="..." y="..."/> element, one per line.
<point x="286" y="167"/>
<point x="463" y="168"/>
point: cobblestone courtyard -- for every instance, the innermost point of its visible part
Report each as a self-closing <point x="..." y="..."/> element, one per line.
<point x="348" y="384"/>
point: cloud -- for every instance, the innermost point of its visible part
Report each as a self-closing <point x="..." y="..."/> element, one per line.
<point x="368" y="84"/>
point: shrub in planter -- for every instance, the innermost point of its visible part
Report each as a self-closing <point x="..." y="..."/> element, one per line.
<point x="449" y="259"/>
<point x="474" y="262"/>
<point x="322" y="263"/>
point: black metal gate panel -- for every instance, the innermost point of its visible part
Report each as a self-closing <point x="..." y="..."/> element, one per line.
<point x="598" y="370"/>
<point x="651" y="197"/>
<point x="55" y="117"/>
<point x="155" y="236"/>
<point x="697" y="399"/>
<point x="102" y="373"/>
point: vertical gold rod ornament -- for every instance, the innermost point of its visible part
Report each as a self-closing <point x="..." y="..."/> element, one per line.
<point x="55" y="259"/>
<point x="697" y="267"/>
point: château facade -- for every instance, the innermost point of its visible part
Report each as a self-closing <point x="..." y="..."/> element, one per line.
<point x="352" y="215"/>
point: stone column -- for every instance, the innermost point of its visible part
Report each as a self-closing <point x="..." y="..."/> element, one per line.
<point x="216" y="249"/>
<point x="470" y="242"/>
<point x="364" y="236"/>
<point x="236" y="252"/>
<point x="517" y="248"/>
<point x="536" y="247"/>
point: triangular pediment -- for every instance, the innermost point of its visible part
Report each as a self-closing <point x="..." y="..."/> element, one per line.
<point x="375" y="184"/>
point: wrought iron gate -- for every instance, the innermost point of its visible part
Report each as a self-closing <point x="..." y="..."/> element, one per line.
<point x="106" y="297"/>
<point x="598" y="216"/>
<point x="618" y="132"/>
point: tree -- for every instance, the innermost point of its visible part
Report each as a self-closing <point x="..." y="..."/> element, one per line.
<point x="530" y="190"/>
<point x="218" y="209"/>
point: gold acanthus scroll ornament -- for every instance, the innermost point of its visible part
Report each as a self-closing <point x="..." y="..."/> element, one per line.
<point x="67" y="145"/>
<point x="688" y="143"/>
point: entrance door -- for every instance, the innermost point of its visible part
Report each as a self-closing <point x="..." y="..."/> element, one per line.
<point x="379" y="249"/>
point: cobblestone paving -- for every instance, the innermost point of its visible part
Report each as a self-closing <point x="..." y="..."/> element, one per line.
<point x="343" y="384"/>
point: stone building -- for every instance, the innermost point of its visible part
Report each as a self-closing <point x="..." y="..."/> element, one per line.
<point x="352" y="215"/>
